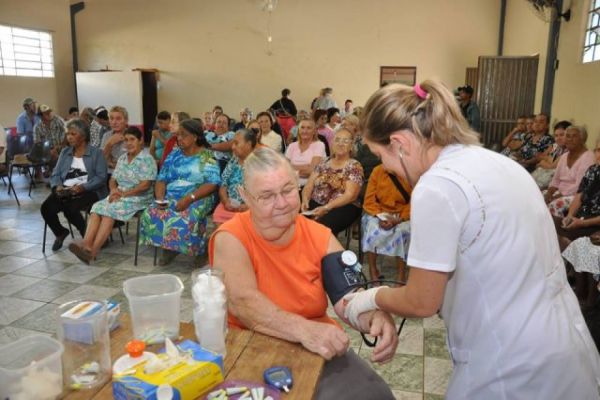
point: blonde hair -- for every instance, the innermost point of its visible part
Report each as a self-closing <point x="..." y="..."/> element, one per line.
<point x="120" y="109"/>
<point x="265" y="159"/>
<point x="315" y="132"/>
<point x="354" y="120"/>
<point x="436" y="119"/>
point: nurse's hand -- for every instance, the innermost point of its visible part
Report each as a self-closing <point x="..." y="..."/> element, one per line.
<point x="384" y="328"/>
<point x="324" y="339"/>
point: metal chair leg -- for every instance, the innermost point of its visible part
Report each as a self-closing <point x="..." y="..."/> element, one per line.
<point x="44" y="240"/>
<point x="155" y="254"/>
<point x="137" y="242"/>
<point x="121" y="234"/>
<point x="10" y="185"/>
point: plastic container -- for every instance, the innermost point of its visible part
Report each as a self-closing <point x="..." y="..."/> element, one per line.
<point x="82" y="328"/>
<point x="135" y="355"/>
<point x="31" y="368"/>
<point x="210" y="309"/>
<point x="154" y="303"/>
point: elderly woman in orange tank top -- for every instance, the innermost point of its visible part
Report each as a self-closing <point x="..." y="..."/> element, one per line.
<point x="271" y="261"/>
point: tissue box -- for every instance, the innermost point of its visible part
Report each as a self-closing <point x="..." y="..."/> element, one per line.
<point x="74" y="323"/>
<point x="113" y="310"/>
<point x="189" y="381"/>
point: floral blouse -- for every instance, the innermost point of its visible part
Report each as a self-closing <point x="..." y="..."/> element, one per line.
<point x="330" y="183"/>
<point x="590" y="193"/>
<point x="531" y="149"/>
<point x="232" y="178"/>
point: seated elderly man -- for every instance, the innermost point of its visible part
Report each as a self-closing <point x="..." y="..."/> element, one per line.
<point x="271" y="262"/>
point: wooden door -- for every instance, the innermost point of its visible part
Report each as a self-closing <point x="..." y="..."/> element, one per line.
<point x="505" y="90"/>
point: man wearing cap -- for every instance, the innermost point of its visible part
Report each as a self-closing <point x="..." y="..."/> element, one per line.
<point x="27" y="119"/>
<point x="469" y="108"/>
<point x="52" y="128"/>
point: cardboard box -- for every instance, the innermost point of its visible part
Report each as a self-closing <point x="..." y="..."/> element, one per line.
<point x="189" y="381"/>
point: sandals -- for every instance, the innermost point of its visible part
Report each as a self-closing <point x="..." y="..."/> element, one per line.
<point x="81" y="253"/>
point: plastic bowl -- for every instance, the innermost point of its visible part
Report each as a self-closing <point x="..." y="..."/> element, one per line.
<point x="31" y="367"/>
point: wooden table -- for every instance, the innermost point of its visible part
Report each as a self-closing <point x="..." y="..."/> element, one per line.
<point x="249" y="353"/>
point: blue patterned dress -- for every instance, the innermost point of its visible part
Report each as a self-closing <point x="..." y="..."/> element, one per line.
<point x="185" y="231"/>
<point x="233" y="178"/>
<point x="128" y="175"/>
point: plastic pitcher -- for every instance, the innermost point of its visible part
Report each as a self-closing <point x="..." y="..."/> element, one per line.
<point x="82" y="328"/>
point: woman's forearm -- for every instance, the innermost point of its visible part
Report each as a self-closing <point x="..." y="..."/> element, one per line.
<point x="575" y="205"/>
<point x="225" y="146"/>
<point x="223" y="197"/>
<point x="204" y="190"/>
<point x="159" y="190"/>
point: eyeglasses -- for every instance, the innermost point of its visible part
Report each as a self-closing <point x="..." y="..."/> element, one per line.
<point x="269" y="198"/>
<point x="342" y="141"/>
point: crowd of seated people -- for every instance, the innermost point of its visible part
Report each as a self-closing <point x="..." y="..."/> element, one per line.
<point x="193" y="171"/>
<point x="569" y="176"/>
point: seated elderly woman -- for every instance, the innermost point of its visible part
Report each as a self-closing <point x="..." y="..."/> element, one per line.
<point x="583" y="254"/>
<point x="185" y="195"/>
<point x="571" y="167"/>
<point x="583" y="217"/>
<point x="546" y="167"/>
<point x="268" y="136"/>
<point x="514" y="139"/>
<point x="332" y="190"/>
<point x="535" y="144"/>
<point x="306" y="153"/>
<point x="130" y="191"/>
<point x="361" y="151"/>
<point x="77" y="182"/>
<point x="385" y="226"/>
<point x="220" y="140"/>
<point x="271" y="262"/>
<point x="232" y="179"/>
<point x="176" y="117"/>
<point x="325" y="132"/>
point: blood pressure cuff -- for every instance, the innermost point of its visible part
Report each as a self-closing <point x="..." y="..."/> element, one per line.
<point x="338" y="279"/>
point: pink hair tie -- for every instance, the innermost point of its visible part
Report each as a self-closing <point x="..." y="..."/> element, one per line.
<point x="420" y="92"/>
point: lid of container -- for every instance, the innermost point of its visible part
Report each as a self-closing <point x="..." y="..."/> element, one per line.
<point x="135" y="348"/>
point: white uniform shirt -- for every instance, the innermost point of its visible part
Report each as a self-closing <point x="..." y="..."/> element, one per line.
<point x="515" y="330"/>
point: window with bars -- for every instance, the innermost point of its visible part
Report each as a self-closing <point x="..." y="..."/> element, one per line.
<point x="25" y="52"/>
<point x="591" y="44"/>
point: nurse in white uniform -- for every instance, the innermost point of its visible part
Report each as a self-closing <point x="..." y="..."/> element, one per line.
<point x="483" y="250"/>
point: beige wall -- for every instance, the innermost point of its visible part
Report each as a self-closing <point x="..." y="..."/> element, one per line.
<point x="58" y="92"/>
<point x="525" y="35"/>
<point x="577" y="85"/>
<point x="214" y="52"/>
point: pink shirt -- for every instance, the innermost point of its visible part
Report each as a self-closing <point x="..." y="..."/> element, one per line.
<point x="298" y="157"/>
<point x="328" y="133"/>
<point x="566" y="179"/>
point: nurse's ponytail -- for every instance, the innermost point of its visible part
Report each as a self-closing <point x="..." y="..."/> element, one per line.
<point x="428" y="110"/>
